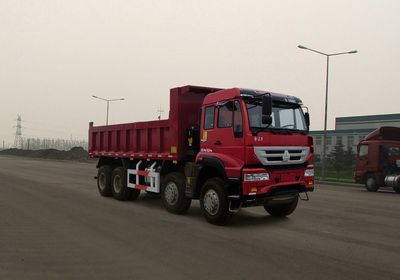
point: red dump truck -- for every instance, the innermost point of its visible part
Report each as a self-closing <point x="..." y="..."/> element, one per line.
<point x="378" y="159"/>
<point x="229" y="148"/>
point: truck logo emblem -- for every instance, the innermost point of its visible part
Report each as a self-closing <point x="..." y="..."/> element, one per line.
<point x="286" y="156"/>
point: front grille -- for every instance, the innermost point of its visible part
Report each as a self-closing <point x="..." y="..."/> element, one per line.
<point x="281" y="155"/>
<point x="275" y="152"/>
<point x="275" y="158"/>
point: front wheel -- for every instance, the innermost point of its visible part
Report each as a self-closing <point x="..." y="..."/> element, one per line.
<point x="282" y="210"/>
<point x="370" y="183"/>
<point x="213" y="202"/>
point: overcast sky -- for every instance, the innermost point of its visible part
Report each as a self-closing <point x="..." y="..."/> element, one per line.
<point x="55" y="54"/>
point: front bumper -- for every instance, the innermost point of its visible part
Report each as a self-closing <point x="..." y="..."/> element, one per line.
<point x="276" y="194"/>
<point x="278" y="179"/>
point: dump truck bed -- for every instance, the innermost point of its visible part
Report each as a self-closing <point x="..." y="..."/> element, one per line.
<point x="133" y="140"/>
<point x="160" y="139"/>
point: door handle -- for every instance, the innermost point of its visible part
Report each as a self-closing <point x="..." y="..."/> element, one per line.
<point x="217" y="142"/>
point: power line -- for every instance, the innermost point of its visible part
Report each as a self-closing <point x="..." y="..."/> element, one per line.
<point x="49" y="129"/>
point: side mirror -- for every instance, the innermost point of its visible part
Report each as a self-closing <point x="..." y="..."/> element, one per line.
<point x="267" y="105"/>
<point x="267" y="109"/>
<point x="267" y="119"/>
<point x="307" y="118"/>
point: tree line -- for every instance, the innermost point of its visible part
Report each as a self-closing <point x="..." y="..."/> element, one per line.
<point x="339" y="159"/>
<point x="48" y="143"/>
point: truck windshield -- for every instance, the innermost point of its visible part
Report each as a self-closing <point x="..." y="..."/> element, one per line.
<point x="390" y="151"/>
<point x="285" y="116"/>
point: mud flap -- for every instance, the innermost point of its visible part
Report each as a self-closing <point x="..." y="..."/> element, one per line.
<point x="306" y="198"/>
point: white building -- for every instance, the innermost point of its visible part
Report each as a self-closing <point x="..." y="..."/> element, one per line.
<point x="351" y="130"/>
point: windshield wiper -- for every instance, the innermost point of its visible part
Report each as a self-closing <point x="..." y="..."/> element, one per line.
<point x="292" y="130"/>
<point x="256" y="130"/>
<point x="277" y="130"/>
<point x="274" y="130"/>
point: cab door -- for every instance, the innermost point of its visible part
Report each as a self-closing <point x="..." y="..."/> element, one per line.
<point x="362" y="162"/>
<point x="224" y="135"/>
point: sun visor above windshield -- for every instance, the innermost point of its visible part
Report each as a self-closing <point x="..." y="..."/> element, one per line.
<point x="384" y="133"/>
<point x="277" y="97"/>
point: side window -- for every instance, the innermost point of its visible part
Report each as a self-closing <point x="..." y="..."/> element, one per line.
<point x="237" y="120"/>
<point x="225" y="115"/>
<point x="209" y="118"/>
<point x="363" y="151"/>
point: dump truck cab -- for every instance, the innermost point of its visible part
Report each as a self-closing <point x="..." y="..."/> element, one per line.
<point x="378" y="159"/>
<point x="260" y="142"/>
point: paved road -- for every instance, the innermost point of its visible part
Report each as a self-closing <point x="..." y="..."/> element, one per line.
<point x="54" y="225"/>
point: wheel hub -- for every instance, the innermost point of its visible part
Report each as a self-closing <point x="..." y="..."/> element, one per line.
<point x="171" y="193"/>
<point x="211" y="202"/>
<point x="370" y="182"/>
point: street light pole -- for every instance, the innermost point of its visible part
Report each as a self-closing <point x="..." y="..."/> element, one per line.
<point x="108" y="106"/>
<point x="325" y="119"/>
<point x="326" y="99"/>
<point x="108" y="103"/>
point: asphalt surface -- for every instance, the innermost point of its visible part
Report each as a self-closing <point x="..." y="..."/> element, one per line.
<point x="54" y="225"/>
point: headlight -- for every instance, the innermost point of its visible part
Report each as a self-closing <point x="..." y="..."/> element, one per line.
<point x="309" y="173"/>
<point x="256" y="177"/>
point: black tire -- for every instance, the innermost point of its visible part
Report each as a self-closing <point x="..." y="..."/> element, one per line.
<point x="213" y="202"/>
<point x="370" y="183"/>
<point x="104" y="180"/>
<point x="396" y="189"/>
<point x="120" y="188"/>
<point x="173" y="194"/>
<point x="282" y="210"/>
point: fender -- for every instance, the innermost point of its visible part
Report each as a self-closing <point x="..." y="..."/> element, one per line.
<point x="233" y="184"/>
<point x="232" y="166"/>
<point x="214" y="162"/>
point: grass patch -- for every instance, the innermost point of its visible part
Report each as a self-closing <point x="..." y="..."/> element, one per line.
<point x="346" y="176"/>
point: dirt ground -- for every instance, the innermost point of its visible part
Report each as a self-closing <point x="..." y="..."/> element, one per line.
<point x="76" y="153"/>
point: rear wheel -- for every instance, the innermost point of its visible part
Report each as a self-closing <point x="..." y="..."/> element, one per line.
<point x="213" y="202"/>
<point x="370" y="183"/>
<point x="104" y="180"/>
<point x="173" y="194"/>
<point x="120" y="188"/>
<point x="282" y="210"/>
